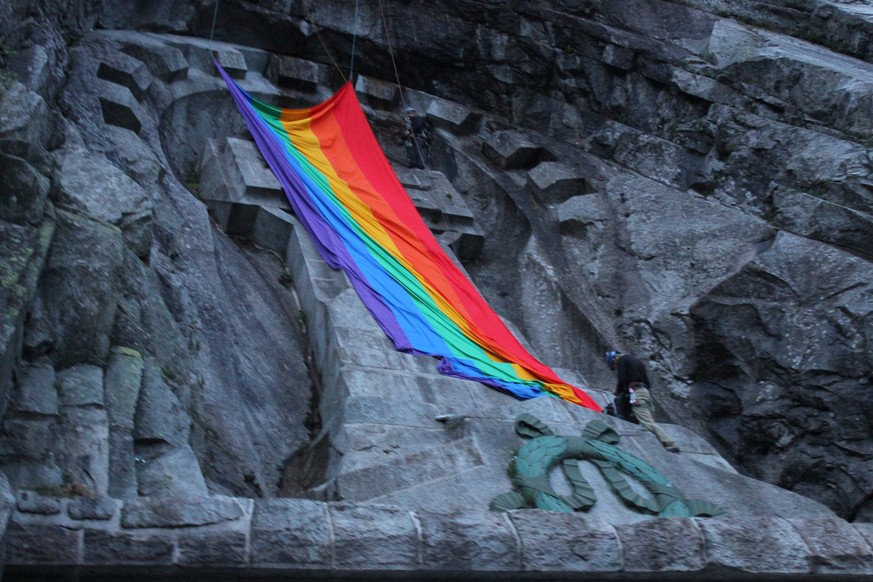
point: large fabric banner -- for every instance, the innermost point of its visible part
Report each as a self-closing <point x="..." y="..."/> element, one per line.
<point x="348" y="198"/>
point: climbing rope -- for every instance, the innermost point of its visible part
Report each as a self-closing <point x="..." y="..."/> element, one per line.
<point x="354" y="40"/>
<point x="436" y="196"/>
<point x="214" y="17"/>
<point x="397" y="79"/>
<point x="321" y="40"/>
<point x="391" y="54"/>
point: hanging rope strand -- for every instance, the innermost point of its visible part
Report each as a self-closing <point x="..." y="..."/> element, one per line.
<point x="391" y="54"/>
<point x="399" y="86"/>
<point x="214" y="17"/>
<point x="354" y="39"/>
<point x="321" y="40"/>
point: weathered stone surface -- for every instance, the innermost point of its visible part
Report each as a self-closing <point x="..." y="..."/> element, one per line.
<point x="30" y="439"/>
<point x="143" y="321"/>
<point x="272" y="229"/>
<point x="232" y="170"/>
<point x="83" y="449"/>
<point x="7" y="506"/>
<point x="751" y="154"/>
<point x="159" y="417"/>
<point x="651" y="156"/>
<point x="81" y="385"/>
<point x="754" y="545"/>
<point x="24" y="116"/>
<point x="659" y="545"/>
<point x="41" y="474"/>
<point x="376" y="93"/>
<point x="556" y="182"/>
<point x="233" y="62"/>
<point x="291" y="531"/>
<point x="390" y="412"/>
<point x="440" y="204"/>
<point x="295" y="73"/>
<point x="452" y="117"/>
<point x="93" y="186"/>
<point x="374" y="444"/>
<point x="165" y="62"/>
<point x="161" y="16"/>
<point x="32" y="67"/>
<point x="408" y="471"/>
<point x="78" y="290"/>
<point x="42" y="544"/>
<point x="128" y="152"/>
<point x="119" y="108"/>
<point x="175" y="473"/>
<point x="170" y="512"/>
<point x="25" y="251"/>
<point x="734" y="126"/>
<point x="123" y="382"/>
<point x="31" y="502"/>
<point x="24" y="191"/>
<point x="92" y="508"/>
<point x="618" y="56"/>
<point x="579" y="214"/>
<point x="128" y="73"/>
<point x="835" y="546"/>
<point x="585" y="544"/>
<point x="813" y="217"/>
<point x="512" y="150"/>
<point x="808" y="77"/>
<point x="122" y="385"/>
<point x="212" y="549"/>
<point x="373" y="538"/>
<point x="37" y="393"/>
<point x="866" y="531"/>
<point x="118" y="548"/>
<point x="822" y="303"/>
<point x="473" y="542"/>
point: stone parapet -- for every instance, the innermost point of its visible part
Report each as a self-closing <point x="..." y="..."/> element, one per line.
<point x="284" y="537"/>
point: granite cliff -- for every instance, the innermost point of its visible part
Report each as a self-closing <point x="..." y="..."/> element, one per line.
<point x="181" y="374"/>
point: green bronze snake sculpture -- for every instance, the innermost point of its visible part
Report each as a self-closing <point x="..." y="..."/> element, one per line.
<point x="531" y="466"/>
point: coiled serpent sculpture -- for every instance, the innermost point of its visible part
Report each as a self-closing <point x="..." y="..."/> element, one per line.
<point x="531" y="466"/>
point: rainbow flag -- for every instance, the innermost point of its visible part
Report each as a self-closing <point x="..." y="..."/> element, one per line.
<point x="348" y="198"/>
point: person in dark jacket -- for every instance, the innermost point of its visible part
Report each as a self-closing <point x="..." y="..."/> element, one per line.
<point x="633" y="397"/>
<point x="418" y="138"/>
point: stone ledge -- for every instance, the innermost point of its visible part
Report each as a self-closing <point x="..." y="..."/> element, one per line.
<point x="284" y="536"/>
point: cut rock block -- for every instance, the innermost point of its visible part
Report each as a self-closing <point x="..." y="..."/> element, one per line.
<point x="165" y="62"/>
<point x="375" y="93"/>
<point x="234" y="171"/>
<point x="119" y="107"/>
<point x="556" y="182"/>
<point x="452" y="117"/>
<point x="233" y="62"/>
<point x="444" y="210"/>
<point x="128" y="73"/>
<point x="294" y="73"/>
<point x="511" y="150"/>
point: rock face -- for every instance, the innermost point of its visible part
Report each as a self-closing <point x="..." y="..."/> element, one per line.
<point x="698" y="194"/>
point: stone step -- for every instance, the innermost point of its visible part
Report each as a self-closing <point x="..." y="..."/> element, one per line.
<point x="370" y="444"/>
<point x="454" y="493"/>
<point x="410" y="470"/>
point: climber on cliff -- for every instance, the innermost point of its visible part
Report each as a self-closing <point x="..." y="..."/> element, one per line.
<point x="633" y="401"/>
<point x="418" y="136"/>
